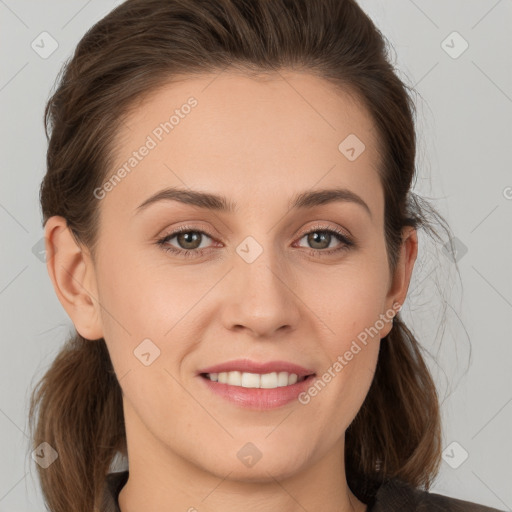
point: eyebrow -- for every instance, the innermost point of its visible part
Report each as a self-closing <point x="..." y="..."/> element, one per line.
<point x="302" y="200"/>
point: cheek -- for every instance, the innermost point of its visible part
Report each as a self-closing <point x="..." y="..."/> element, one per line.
<point x="348" y="298"/>
<point x="129" y="312"/>
<point x="345" y="379"/>
<point x="148" y="313"/>
<point x="348" y="304"/>
<point x="138" y="298"/>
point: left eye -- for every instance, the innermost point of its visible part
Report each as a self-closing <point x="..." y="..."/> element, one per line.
<point x="188" y="238"/>
<point x="190" y="241"/>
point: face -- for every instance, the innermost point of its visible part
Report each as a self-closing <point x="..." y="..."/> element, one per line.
<point x="265" y="281"/>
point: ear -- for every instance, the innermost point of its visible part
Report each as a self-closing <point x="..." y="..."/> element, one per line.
<point x="71" y="270"/>
<point x="400" y="281"/>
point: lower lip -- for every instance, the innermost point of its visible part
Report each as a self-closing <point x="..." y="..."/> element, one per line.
<point x="258" y="398"/>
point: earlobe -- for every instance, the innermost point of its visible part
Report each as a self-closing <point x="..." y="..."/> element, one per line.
<point x="72" y="273"/>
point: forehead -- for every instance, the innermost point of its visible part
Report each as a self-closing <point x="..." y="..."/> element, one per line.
<point x="250" y="137"/>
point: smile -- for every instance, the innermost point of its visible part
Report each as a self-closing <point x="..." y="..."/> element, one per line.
<point x="255" y="380"/>
<point x="259" y="392"/>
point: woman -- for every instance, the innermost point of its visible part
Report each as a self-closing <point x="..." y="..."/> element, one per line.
<point x="230" y="226"/>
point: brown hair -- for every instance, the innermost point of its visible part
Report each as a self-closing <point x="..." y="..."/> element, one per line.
<point x="143" y="44"/>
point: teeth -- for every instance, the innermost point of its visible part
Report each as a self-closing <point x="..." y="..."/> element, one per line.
<point x="255" y="380"/>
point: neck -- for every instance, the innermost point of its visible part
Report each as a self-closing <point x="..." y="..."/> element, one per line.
<point x="161" y="479"/>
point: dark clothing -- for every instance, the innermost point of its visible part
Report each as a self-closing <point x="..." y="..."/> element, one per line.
<point x="391" y="496"/>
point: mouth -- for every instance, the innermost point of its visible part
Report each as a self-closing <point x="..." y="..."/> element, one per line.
<point x="270" y="380"/>
<point x="257" y="385"/>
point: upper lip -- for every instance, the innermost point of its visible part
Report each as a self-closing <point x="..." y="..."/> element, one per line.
<point x="246" y="365"/>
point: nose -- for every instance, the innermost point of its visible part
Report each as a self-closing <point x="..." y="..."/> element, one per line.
<point x="261" y="297"/>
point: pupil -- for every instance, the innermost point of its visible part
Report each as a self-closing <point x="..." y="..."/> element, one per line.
<point x="188" y="236"/>
<point x="315" y="236"/>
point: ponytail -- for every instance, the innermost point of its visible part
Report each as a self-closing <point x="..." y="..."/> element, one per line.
<point x="80" y="416"/>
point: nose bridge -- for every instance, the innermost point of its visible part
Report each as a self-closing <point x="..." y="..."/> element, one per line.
<point x="260" y="289"/>
<point x="261" y="267"/>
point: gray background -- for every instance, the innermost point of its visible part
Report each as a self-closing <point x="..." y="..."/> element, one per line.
<point x="464" y="107"/>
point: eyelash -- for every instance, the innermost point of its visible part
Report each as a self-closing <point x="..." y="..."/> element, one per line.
<point x="191" y="253"/>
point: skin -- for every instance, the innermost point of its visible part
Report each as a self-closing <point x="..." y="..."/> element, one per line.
<point x="258" y="142"/>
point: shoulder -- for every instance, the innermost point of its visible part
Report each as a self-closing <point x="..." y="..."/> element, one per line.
<point x="398" y="495"/>
<point x="114" y="482"/>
